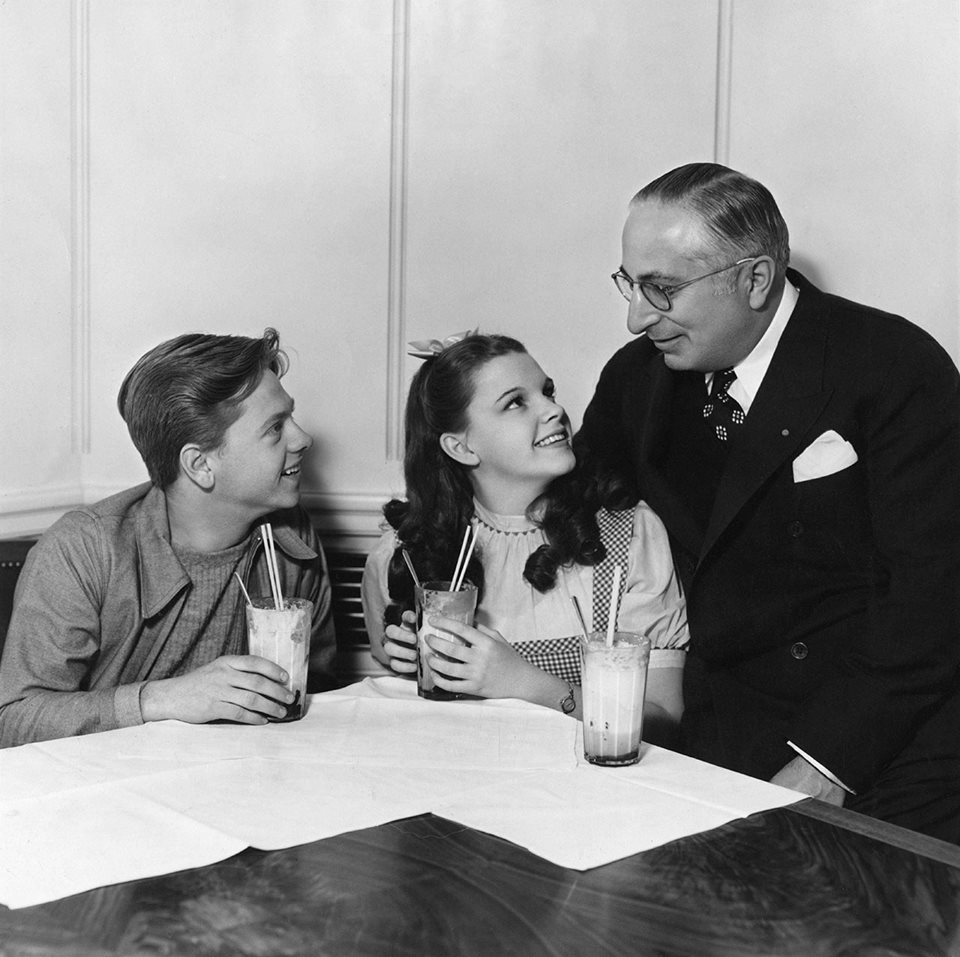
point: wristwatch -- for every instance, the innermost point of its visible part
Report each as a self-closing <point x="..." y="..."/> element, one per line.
<point x="568" y="704"/>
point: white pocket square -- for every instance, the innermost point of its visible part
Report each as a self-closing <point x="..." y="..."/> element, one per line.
<point x="825" y="455"/>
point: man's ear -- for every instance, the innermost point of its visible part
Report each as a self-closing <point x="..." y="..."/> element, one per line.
<point x="195" y="465"/>
<point x="762" y="277"/>
<point x="456" y="447"/>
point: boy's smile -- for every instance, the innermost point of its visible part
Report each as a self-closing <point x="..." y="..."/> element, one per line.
<point x="258" y="468"/>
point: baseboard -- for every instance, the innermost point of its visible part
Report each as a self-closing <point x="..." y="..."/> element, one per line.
<point x="348" y="521"/>
<point x="344" y="520"/>
<point x="32" y="511"/>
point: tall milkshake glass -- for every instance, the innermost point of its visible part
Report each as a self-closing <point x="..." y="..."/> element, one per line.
<point x="614" y="681"/>
<point x="283" y="636"/>
<point x="433" y="599"/>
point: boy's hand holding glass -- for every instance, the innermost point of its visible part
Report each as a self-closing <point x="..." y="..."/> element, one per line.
<point x="244" y="688"/>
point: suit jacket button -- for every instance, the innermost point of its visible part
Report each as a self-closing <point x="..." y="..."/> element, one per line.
<point x="799" y="650"/>
<point x="795" y="529"/>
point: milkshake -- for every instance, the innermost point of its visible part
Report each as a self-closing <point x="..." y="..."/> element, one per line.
<point x="614" y="679"/>
<point x="283" y="636"/>
<point x="433" y="599"/>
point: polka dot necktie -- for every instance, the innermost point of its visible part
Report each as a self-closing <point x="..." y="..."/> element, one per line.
<point x="722" y="412"/>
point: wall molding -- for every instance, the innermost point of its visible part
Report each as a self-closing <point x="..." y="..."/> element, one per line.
<point x="80" y="226"/>
<point x="396" y="268"/>
<point x="31" y="511"/>
<point x="721" y="121"/>
<point x="345" y="520"/>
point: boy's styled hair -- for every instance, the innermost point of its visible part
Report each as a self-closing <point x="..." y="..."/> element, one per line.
<point x="189" y="390"/>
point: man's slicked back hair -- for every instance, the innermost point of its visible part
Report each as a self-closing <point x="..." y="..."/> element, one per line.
<point x="739" y="213"/>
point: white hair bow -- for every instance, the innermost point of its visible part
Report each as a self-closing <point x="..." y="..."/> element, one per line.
<point x="427" y="348"/>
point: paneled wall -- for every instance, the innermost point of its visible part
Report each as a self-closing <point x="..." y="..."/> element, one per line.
<point x="40" y="373"/>
<point x="359" y="173"/>
<point x="849" y="113"/>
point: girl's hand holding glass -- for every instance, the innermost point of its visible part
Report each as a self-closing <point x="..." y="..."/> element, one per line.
<point x="486" y="665"/>
<point x="400" y="644"/>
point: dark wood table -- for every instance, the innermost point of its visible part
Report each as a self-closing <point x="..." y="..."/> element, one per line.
<point x="806" y="880"/>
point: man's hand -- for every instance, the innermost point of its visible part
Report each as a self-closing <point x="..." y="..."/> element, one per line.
<point x="244" y="688"/>
<point x="801" y="775"/>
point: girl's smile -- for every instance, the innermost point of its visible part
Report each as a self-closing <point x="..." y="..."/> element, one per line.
<point x="512" y="420"/>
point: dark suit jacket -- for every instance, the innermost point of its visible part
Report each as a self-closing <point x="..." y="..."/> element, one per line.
<point x="827" y="611"/>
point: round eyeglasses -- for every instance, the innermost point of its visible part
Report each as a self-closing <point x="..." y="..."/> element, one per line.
<point x="659" y="296"/>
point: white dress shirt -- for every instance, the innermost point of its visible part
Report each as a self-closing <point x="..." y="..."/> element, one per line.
<point x="750" y="371"/>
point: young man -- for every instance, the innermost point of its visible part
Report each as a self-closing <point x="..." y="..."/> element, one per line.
<point x="130" y="610"/>
<point x="803" y="453"/>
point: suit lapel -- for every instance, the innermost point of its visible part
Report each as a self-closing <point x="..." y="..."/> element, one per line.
<point x="659" y="385"/>
<point x="790" y="399"/>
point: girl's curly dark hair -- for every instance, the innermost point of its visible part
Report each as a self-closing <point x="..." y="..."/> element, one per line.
<point x="439" y="506"/>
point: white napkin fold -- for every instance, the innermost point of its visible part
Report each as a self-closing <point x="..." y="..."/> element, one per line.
<point x="598" y="815"/>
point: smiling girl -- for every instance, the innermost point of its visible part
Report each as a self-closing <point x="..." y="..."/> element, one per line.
<point x="488" y="444"/>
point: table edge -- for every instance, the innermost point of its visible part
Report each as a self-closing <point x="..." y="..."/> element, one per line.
<point x="922" y="844"/>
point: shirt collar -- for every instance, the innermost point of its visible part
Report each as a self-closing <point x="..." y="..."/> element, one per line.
<point x="511" y="524"/>
<point x="162" y="576"/>
<point x="753" y="368"/>
<point x="287" y="540"/>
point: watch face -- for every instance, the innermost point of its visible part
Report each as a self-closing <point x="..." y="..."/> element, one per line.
<point x="569" y="704"/>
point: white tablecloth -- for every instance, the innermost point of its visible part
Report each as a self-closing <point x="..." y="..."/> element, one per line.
<point x="78" y="813"/>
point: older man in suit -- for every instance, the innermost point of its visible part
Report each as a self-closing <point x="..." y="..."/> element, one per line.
<point x="803" y="452"/>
